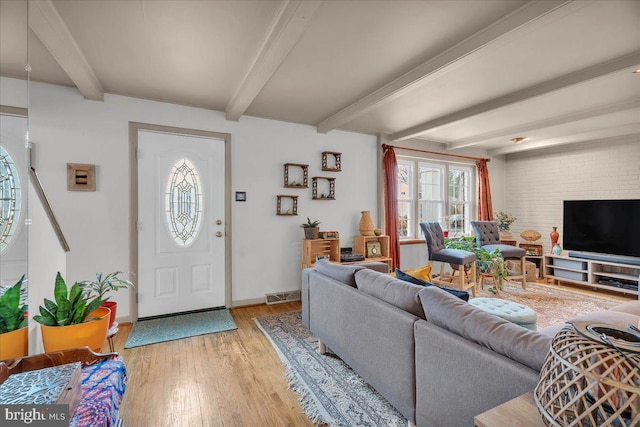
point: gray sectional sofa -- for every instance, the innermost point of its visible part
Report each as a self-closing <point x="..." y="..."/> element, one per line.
<point x="437" y="359"/>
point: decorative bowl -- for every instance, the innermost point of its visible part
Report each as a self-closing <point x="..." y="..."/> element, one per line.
<point x="530" y="235"/>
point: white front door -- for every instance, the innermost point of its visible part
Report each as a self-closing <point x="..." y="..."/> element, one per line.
<point x="181" y="207"/>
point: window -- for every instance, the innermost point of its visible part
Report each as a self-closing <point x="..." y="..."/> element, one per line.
<point x="184" y="202"/>
<point x="10" y="198"/>
<point x="434" y="191"/>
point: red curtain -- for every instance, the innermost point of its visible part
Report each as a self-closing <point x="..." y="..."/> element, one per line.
<point x="391" y="223"/>
<point x="485" y="210"/>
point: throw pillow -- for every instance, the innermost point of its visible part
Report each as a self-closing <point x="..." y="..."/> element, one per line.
<point x="463" y="295"/>
<point x="423" y="273"/>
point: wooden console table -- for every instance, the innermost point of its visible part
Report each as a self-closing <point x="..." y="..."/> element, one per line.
<point x="521" y="412"/>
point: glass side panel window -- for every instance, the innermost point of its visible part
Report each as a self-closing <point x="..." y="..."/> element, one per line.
<point x="459" y="199"/>
<point x="10" y="198"/>
<point x="184" y="202"/>
<point x="431" y="192"/>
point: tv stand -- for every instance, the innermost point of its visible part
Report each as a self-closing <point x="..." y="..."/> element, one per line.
<point x="619" y="259"/>
<point x="593" y="273"/>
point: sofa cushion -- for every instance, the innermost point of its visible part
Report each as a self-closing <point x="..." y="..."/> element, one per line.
<point x="515" y="342"/>
<point x="463" y="295"/>
<point x="341" y="273"/>
<point x="398" y="293"/>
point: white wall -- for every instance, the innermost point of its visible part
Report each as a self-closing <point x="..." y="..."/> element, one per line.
<point x="265" y="247"/>
<point x="538" y="182"/>
<point x="46" y="258"/>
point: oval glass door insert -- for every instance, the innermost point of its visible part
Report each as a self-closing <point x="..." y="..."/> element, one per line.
<point x="10" y="198"/>
<point x="184" y="202"/>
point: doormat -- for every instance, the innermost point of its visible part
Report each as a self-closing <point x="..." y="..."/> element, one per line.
<point x="330" y="391"/>
<point x="171" y="328"/>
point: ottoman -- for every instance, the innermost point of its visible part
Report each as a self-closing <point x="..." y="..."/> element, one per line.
<point x="511" y="311"/>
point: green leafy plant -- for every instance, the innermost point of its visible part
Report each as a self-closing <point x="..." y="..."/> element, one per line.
<point x="71" y="307"/>
<point x="504" y="220"/>
<point x="105" y="283"/>
<point x="486" y="262"/>
<point x="465" y="243"/>
<point x="12" y="313"/>
<point x="310" y="224"/>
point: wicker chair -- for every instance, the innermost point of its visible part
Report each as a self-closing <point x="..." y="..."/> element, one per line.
<point x="488" y="237"/>
<point x="455" y="257"/>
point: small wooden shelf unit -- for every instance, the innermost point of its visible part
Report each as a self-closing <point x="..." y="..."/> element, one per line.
<point x="535" y="252"/>
<point x="589" y="272"/>
<point x="305" y="176"/>
<point x="312" y="248"/>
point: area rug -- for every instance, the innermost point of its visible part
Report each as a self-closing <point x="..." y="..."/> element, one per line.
<point x="330" y="391"/>
<point x="553" y="305"/>
<point x="171" y="328"/>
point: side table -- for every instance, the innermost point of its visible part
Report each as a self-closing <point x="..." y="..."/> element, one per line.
<point x="521" y="411"/>
<point x="535" y="253"/>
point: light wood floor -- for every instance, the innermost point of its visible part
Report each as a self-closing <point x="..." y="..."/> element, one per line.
<point x="232" y="378"/>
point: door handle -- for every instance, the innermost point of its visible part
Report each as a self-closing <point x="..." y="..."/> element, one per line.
<point x="219" y="234"/>
<point x="218" y="222"/>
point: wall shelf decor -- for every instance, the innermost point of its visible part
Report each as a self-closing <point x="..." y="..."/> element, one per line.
<point x="330" y="194"/>
<point x="287" y="205"/>
<point x="81" y="177"/>
<point x="295" y="183"/>
<point x="328" y="165"/>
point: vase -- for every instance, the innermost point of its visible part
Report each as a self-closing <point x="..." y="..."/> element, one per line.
<point x="557" y="250"/>
<point x="554" y="237"/>
<point x="366" y="224"/>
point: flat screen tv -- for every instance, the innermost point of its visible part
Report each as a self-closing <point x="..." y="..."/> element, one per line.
<point x="602" y="226"/>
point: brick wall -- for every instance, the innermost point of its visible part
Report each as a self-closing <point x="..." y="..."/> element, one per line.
<point x="536" y="183"/>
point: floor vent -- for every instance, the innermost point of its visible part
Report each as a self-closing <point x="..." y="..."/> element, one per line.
<point x="283" y="297"/>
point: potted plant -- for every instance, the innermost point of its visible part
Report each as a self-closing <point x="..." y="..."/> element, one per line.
<point x="13" y="323"/>
<point x="486" y="262"/>
<point x="105" y="284"/>
<point x="75" y="319"/>
<point x="504" y="221"/>
<point x="311" y="229"/>
<point x="491" y="263"/>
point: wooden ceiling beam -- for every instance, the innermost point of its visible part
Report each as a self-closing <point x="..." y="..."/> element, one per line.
<point x="621" y="134"/>
<point x="290" y="23"/>
<point x="545" y="124"/>
<point x="624" y="62"/>
<point x="468" y="50"/>
<point x="47" y="24"/>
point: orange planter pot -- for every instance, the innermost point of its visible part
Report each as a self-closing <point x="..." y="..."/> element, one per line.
<point x="14" y="344"/>
<point x="92" y="333"/>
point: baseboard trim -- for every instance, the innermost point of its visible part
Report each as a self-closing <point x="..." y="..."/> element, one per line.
<point x="246" y="302"/>
<point x="124" y="319"/>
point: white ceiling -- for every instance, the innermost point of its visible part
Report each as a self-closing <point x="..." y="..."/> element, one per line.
<point x="460" y="73"/>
